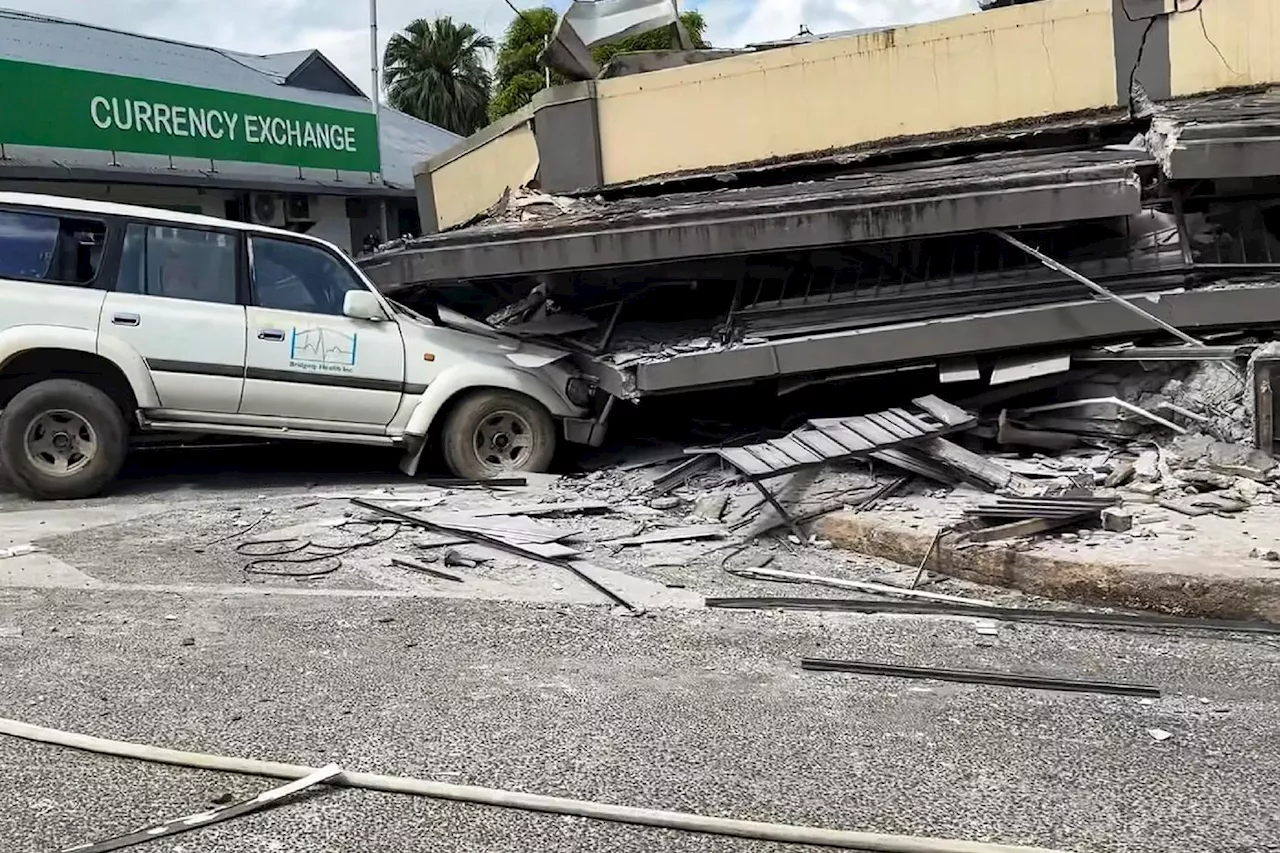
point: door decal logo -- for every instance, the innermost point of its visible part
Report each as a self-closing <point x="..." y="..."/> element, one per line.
<point x="322" y="349"/>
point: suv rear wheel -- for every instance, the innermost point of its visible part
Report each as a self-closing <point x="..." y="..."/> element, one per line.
<point x="496" y="433"/>
<point x="62" y="439"/>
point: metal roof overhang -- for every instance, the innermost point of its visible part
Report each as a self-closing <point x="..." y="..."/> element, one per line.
<point x="971" y="195"/>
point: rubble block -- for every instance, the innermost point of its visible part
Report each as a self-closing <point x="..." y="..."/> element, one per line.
<point x="1117" y="520"/>
<point x="1226" y="458"/>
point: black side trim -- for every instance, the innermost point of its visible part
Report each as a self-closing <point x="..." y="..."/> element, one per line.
<point x="332" y="379"/>
<point x="195" y="367"/>
<point x="415" y="390"/>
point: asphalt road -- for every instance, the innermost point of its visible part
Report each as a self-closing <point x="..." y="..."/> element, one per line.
<point x="688" y="710"/>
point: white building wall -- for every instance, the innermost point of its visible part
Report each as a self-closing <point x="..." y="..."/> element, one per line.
<point x="330" y="214"/>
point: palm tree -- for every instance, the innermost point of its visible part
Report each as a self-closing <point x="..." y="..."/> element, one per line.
<point x="435" y="71"/>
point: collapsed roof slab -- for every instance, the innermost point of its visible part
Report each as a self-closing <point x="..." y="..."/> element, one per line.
<point x="1225" y="135"/>
<point x="984" y="193"/>
<point x="1232" y="306"/>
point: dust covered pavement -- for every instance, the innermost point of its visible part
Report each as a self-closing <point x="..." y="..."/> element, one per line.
<point x="135" y="618"/>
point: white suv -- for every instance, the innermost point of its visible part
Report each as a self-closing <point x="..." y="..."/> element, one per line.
<point x="114" y="317"/>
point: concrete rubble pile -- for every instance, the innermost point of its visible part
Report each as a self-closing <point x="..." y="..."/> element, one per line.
<point x="1151" y="448"/>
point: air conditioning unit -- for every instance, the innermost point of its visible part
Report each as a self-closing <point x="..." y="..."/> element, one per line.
<point x="266" y="209"/>
<point x="297" y="208"/>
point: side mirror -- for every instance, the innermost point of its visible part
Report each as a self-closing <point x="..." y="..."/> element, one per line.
<point x="362" y="305"/>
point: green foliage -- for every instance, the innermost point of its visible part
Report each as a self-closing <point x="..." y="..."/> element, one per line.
<point x="435" y="71"/>
<point x="519" y="76"/>
<point x="519" y="91"/>
<point x="663" y="38"/>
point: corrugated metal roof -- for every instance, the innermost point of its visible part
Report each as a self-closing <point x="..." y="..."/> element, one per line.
<point x="42" y="39"/>
<point x="278" y="65"/>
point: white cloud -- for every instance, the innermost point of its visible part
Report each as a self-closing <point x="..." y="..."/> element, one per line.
<point x="733" y="23"/>
<point x="339" y="28"/>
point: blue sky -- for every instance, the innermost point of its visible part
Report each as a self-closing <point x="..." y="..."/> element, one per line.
<point x="339" y="28"/>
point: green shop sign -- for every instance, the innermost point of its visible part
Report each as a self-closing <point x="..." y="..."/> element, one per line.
<point x="68" y="108"/>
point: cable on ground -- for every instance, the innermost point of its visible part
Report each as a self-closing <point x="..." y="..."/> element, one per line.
<point x="681" y="821"/>
<point x="294" y="551"/>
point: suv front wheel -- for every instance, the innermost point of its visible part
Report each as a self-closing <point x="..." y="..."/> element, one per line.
<point x="62" y="439"/>
<point x="495" y="433"/>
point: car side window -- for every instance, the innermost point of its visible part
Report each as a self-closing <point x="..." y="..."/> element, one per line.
<point x="50" y="248"/>
<point x="178" y="263"/>
<point x="289" y="276"/>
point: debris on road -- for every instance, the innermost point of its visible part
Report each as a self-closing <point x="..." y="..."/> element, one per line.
<point x="519" y="549"/>
<point x="1002" y="679"/>
<point x="866" y="586"/>
<point x="422" y="568"/>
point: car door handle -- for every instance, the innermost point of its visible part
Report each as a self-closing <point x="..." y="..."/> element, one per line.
<point x="271" y="334"/>
<point x="125" y="319"/>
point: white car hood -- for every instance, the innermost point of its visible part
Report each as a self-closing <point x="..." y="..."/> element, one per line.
<point x="478" y="341"/>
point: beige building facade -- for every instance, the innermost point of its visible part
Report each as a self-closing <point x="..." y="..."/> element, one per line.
<point x="1017" y="66"/>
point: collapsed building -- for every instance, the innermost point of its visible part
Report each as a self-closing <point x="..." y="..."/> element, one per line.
<point x="962" y="197"/>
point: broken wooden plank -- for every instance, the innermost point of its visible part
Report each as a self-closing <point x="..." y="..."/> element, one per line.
<point x="913" y="421"/>
<point x="820" y="443"/>
<point x="745" y="461"/>
<point x="877" y="435"/>
<point x="797" y="451"/>
<point x="952" y="416"/>
<point x="843" y="436"/>
<point x="972" y="464"/>
<point x="903" y="431"/>
<point x="673" y="534"/>
<point x="774" y="458"/>
<point x="920" y="467"/>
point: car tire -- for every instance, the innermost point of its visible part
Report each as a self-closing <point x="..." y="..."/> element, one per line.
<point x="62" y="439"/>
<point x="492" y="434"/>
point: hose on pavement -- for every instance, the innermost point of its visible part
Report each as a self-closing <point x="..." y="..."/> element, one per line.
<point x="683" y="821"/>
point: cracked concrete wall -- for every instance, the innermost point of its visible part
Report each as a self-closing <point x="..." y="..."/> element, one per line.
<point x="1006" y="65"/>
<point x="1223" y="44"/>
<point x="468" y="179"/>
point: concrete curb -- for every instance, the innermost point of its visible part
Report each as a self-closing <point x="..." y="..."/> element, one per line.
<point x="1111" y="584"/>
